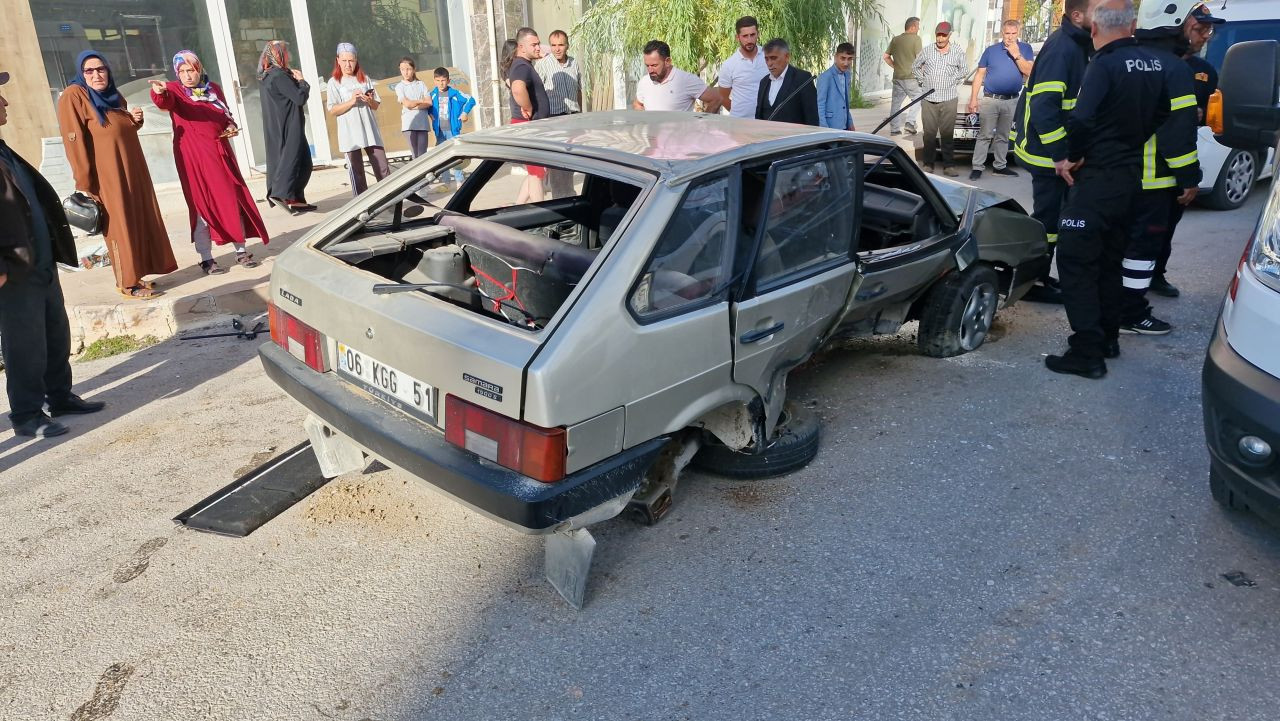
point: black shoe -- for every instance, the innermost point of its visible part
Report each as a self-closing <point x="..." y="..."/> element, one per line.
<point x="1111" y="349"/>
<point x="1162" y="287"/>
<point x="975" y="174"/>
<point x="895" y="132"/>
<point x="1006" y="171"/>
<point x="74" y="405"/>
<point x="1150" y="325"/>
<point x="1044" y="293"/>
<point x="41" y="426"/>
<point x="1070" y="363"/>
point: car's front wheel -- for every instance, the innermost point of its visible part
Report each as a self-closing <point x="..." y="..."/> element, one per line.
<point x="1235" y="182"/>
<point x="958" y="312"/>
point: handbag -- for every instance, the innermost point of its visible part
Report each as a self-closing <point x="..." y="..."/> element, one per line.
<point x="83" y="212"/>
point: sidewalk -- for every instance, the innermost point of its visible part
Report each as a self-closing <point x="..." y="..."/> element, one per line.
<point x="192" y="299"/>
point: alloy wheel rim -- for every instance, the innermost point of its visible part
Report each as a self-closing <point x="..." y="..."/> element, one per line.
<point x="1240" y="177"/>
<point x="979" y="311"/>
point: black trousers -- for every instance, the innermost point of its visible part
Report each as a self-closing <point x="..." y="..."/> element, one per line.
<point x="1149" y="237"/>
<point x="1166" y="249"/>
<point x="1048" y="192"/>
<point x="1092" y="239"/>
<point x="37" y="343"/>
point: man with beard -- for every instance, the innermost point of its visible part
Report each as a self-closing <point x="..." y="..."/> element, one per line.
<point x="740" y="75"/>
<point x="667" y="87"/>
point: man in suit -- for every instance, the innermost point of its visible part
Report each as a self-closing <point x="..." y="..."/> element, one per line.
<point x="34" y="237"/>
<point x="786" y="94"/>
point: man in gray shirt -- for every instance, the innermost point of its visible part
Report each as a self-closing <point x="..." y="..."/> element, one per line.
<point x="940" y="67"/>
<point x="901" y="55"/>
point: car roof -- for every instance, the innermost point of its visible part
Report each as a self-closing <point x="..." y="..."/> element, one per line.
<point x="666" y="143"/>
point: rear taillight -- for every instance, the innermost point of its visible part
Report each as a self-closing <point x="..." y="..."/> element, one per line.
<point x="536" y="452"/>
<point x="300" y="339"/>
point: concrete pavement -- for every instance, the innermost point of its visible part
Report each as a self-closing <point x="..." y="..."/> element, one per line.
<point x="977" y="539"/>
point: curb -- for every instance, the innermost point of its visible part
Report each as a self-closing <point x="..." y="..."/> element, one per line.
<point x="166" y="317"/>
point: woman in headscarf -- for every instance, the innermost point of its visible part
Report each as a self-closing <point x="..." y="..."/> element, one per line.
<point x="100" y="135"/>
<point x="284" y="96"/>
<point x="220" y="204"/>
<point x="352" y="100"/>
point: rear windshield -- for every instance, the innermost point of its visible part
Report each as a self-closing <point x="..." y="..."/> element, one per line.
<point x="504" y="238"/>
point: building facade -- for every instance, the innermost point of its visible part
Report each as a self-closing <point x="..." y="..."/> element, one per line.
<point x="40" y="40"/>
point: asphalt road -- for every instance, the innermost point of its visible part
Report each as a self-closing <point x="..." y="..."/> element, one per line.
<point x="978" y="539"/>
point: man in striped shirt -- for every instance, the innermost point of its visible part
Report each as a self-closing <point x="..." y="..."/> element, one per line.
<point x="561" y="77"/>
<point x="940" y="67"/>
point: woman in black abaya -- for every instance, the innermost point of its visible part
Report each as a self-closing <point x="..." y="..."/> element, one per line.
<point x="284" y="95"/>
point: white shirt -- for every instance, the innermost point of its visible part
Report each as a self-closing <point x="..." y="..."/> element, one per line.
<point x="676" y="92"/>
<point x="417" y="118"/>
<point x="743" y="77"/>
<point x="358" y="127"/>
<point x="775" y="85"/>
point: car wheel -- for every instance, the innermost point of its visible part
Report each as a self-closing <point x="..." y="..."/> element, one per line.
<point x="1235" y="182"/>
<point x="958" y="312"/>
<point x="794" y="444"/>
<point x="1223" y="494"/>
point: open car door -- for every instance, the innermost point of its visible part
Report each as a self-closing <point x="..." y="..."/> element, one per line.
<point x="799" y="265"/>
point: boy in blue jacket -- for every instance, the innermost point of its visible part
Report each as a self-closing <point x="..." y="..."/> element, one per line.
<point x="833" y="91"/>
<point x="449" y="110"/>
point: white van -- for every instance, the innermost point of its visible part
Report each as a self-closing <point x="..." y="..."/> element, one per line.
<point x="1229" y="174"/>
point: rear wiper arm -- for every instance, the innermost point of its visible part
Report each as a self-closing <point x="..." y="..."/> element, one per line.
<point x="389" y="288"/>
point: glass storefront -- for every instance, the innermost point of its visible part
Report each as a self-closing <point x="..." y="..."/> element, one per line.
<point x="384" y="31"/>
<point x="253" y="23"/>
<point x="137" y="37"/>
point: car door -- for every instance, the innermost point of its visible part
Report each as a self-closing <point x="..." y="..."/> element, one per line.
<point x="908" y="238"/>
<point x="801" y="226"/>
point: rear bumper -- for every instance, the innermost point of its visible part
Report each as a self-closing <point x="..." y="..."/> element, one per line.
<point x="401" y="441"/>
<point x="1240" y="399"/>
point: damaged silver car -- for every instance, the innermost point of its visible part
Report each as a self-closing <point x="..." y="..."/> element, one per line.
<point x="609" y="296"/>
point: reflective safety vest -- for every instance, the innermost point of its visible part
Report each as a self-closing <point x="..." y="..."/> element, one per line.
<point x="1169" y="157"/>
<point x="1039" y="131"/>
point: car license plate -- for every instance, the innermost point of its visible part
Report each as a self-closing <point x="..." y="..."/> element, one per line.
<point x="966" y="133"/>
<point x="389" y="384"/>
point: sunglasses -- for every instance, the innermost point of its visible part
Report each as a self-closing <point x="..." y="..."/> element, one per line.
<point x="101" y="70"/>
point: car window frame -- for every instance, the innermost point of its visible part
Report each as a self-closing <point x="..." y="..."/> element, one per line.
<point x="750" y="286"/>
<point x="733" y="212"/>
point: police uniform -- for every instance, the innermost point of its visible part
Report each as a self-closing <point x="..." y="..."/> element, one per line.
<point x="1123" y="98"/>
<point x="1039" y="133"/>
<point x="1204" y="79"/>
<point x="1170" y="163"/>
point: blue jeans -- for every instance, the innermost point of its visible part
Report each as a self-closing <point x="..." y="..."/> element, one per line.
<point x="443" y="135"/>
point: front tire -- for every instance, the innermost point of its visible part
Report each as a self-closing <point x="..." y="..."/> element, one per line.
<point x="958" y="312"/>
<point x="1235" y="181"/>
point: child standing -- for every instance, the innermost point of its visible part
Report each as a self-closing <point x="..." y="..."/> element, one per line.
<point x="416" y="113"/>
<point x="452" y="107"/>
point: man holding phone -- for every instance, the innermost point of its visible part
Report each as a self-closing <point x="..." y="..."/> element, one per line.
<point x="1002" y="72"/>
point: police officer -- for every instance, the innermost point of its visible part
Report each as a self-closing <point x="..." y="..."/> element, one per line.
<point x="1039" y="133"/>
<point x="1170" y="165"/>
<point x="1197" y="29"/>
<point x="1123" y="98"/>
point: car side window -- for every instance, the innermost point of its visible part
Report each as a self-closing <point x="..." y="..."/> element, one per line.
<point x="809" y="219"/>
<point x="688" y="263"/>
